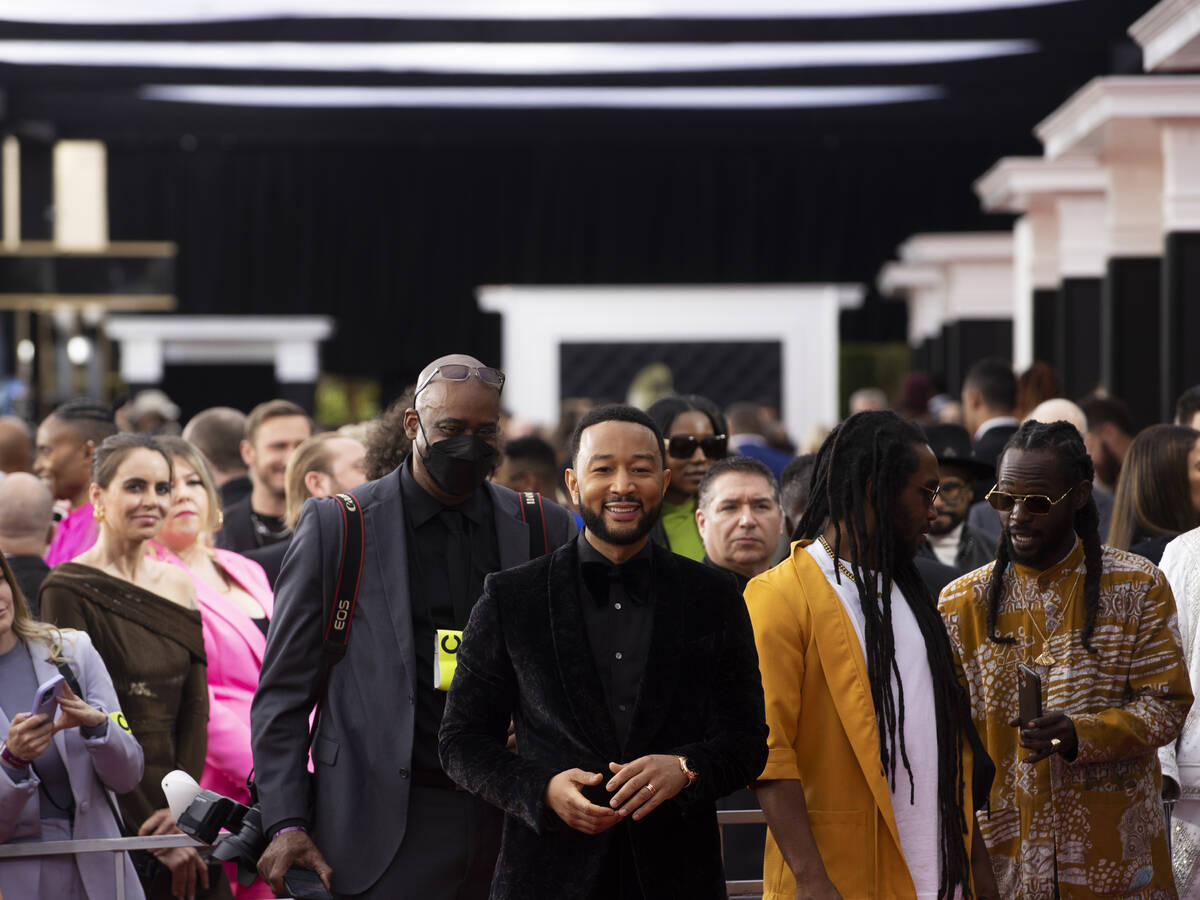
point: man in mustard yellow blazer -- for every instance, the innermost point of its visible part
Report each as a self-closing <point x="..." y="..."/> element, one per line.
<point x="874" y="766"/>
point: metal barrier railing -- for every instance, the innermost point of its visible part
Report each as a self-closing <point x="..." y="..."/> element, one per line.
<point x="118" y="847"/>
<point x="725" y="817"/>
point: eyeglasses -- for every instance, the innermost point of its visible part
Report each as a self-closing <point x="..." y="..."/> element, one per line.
<point x="460" y="372"/>
<point x="683" y="446"/>
<point x="952" y="491"/>
<point x="932" y="492"/>
<point x="1035" y="504"/>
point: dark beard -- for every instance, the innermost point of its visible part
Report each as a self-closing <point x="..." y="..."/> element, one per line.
<point x="595" y="524"/>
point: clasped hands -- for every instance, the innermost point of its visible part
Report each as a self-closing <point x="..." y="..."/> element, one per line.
<point x="1050" y="733"/>
<point x="29" y="736"/>
<point x="638" y="788"/>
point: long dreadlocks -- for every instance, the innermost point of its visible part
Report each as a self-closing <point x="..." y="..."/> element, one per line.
<point x="1063" y="440"/>
<point x="864" y="464"/>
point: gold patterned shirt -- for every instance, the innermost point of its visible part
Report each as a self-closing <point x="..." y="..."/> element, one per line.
<point x="1093" y="826"/>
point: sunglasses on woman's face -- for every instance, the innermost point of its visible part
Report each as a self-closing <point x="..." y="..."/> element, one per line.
<point x="683" y="446"/>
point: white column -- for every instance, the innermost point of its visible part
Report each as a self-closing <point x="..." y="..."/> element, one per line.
<point x="1181" y="175"/>
<point x="1082" y="236"/>
<point x="80" y="195"/>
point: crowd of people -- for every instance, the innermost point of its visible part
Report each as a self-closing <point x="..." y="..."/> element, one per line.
<point x="950" y="651"/>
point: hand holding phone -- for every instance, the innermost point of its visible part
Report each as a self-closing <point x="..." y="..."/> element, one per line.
<point x="305" y="884"/>
<point x="46" y="698"/>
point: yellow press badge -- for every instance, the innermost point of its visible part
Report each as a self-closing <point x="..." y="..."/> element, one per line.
<point x="445" y="657"/>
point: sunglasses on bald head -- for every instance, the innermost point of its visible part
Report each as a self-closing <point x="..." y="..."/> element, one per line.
<point x="1035" y="504"/>
<point x="683" y="446"/>
<point x="460" y="372"/>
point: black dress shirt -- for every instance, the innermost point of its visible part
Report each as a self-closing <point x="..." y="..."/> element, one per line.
<point x="450" y="551"/>
<point x="738" y="578"/>
<point x="618" y="615"/>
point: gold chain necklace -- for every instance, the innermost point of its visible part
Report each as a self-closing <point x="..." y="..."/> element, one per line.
<point x="841" y="565"/>
<point x="1045" y="658"/>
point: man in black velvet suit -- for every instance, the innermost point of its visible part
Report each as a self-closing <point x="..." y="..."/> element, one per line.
<point x="630" y="676"/>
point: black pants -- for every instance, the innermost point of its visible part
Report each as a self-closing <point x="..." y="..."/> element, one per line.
<point x="448" y="852"/>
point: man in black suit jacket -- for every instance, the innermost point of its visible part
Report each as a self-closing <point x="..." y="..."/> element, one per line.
<point x="274" y="430"/>
<point x="630" y="676"/>
<point x="378" y="809"/>
<point x="989" y="403"/>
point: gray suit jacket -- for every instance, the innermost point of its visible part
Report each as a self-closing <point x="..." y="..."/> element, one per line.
<point x="357" y="799"/>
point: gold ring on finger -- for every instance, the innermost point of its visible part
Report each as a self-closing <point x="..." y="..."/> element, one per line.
<point x="649" y="787"/>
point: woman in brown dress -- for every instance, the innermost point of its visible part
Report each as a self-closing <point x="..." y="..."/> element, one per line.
<point x="143" y="619"/>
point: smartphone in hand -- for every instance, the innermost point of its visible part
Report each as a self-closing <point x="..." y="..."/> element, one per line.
<point x="305" y="884"/>
<point x="1029" y="694"/>
<point x="46" y="698"/>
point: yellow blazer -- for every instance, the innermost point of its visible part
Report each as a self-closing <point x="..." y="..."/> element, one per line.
<point x="823" y="732"/>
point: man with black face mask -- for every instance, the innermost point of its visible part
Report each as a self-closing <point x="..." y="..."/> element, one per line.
<point x="379" y="818"/>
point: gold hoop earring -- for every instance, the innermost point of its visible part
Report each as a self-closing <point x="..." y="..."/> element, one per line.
<point x="98" y="513"/>
<point x="220" y="518"/>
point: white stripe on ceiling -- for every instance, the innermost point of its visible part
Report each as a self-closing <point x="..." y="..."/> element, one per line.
<point x="499" y="58"/>
<point x="165" y="11"/>
<point x="542" y="97"/>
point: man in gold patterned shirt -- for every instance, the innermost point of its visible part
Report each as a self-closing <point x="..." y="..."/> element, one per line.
<point x="1075" y="809"/>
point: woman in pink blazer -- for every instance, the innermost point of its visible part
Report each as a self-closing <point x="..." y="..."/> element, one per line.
<point x="235" y="606"/>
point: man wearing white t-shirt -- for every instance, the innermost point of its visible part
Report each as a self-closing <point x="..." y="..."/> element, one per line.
<point x="874" y="769"/>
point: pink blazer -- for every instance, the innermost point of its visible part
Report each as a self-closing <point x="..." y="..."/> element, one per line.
<point x="234" y="646"/>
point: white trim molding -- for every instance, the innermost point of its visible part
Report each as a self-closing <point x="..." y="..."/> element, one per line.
<point x="1099" y="111"/>
<point x="289" y="343"/>
<point x="950" y="277"/>
<point x="802" y="318"/>
<point x="1169" y="35"/>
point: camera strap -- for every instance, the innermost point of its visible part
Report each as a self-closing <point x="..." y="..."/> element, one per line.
<point x="345" y="595"/>
<point x="341" y="611"/>
<point x="533" y="514"/>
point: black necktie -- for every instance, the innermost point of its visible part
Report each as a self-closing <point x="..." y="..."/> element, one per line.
<point x="458" y="565"/>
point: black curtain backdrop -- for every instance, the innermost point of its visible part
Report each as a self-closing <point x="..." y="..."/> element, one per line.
<point x="393" y="238"/>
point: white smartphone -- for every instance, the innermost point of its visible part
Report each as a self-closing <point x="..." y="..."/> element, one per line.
<point x="47" y="694"/>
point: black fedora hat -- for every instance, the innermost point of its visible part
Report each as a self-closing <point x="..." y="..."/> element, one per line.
<point x="952" y="444"/>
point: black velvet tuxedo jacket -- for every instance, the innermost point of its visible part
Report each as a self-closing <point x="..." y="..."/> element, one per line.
<point x="525" y="653"/>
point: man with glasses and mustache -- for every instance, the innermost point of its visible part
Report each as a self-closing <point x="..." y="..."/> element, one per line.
<point x="632" y="681"/>
<point x="1076" y="806"/>
<point x="951" y="540"/>
<point x="378" y="817"/>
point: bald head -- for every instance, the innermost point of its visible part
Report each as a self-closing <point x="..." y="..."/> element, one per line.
<point x="217" y="433"/>
<point x="26" y="512"/>
<point x="427" y="373"/>
<point x="1059" y="409"/>
<point x="16" y="445"/>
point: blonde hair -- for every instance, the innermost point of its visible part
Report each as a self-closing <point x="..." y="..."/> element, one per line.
<point x="310" y="456"/>
<point x="24" y="626"/>
<point x="190" y="453"/>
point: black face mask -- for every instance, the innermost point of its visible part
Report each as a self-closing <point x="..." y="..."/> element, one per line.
<point x="459" y="465"/>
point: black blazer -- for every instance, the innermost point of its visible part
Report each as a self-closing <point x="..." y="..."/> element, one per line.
<point x="525" y="653"/>
<point x="270" y="558"/>
<point x="237" y="531"/>
<point x="991" y="442"/>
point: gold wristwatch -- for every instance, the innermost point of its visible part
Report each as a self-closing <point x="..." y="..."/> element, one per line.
<point x="691" y="776"/>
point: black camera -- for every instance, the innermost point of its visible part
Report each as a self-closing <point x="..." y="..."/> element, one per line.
<point x="244" y="842"/>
